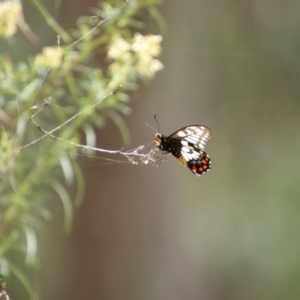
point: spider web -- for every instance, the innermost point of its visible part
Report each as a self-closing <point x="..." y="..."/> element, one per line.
<point x="143" y="154"/>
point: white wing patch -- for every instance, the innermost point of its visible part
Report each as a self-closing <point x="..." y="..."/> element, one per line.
<point x="189" y="154"/>
<point x="197" y="135"/>
<point x="181" y="133"/>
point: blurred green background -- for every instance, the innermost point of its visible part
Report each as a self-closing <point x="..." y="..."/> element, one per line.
<point x="162" y="233"/>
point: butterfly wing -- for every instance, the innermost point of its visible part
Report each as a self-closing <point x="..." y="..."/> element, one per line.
<point x="197" y="135"/>
<point x="187" y="146"/>
<point x="200" y="165"/>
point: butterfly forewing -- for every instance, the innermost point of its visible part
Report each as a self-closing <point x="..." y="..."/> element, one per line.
<point x="197" y="135"/>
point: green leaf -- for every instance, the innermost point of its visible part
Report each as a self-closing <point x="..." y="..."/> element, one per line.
<point x="67" y="205"/>
<point x="31" y="248"/>
<point x="24" y="280"/>
<point x="67" y="168"/>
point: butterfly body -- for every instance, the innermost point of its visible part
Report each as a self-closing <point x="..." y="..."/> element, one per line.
<point x="187" y="145"/>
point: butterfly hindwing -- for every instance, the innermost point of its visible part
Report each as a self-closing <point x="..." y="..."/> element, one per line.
<point x="200" y="166"/>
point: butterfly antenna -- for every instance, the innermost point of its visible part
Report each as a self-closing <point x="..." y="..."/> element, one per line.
<point x="157" y="123"/>
<point x="151" y="127"/>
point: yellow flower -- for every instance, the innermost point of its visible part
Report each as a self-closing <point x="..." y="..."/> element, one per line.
<point x="119" y="49"/>
<point x="50" y="58"/>
<point x="149" y="44"/>
<point x="148" y="66"/>
<point x="9" y="12"/>
<point x="137" y="54"/>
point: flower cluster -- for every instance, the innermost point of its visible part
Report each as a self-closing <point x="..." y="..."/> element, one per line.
<point x="50" y="58"/>
<point x="140" y="52"/>
<point x="9" y="12"/>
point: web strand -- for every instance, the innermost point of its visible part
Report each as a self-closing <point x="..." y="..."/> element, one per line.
<point x="145" y="154"/>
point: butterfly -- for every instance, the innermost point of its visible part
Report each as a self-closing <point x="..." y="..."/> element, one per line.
<point x="187" y="145"/>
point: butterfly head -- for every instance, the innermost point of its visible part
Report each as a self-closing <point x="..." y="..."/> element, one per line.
<point x="158" y="139"/>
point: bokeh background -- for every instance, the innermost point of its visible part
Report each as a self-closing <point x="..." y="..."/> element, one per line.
<point x="163" y="233"/>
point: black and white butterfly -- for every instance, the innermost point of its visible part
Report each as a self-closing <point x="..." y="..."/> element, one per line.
<point x="187" y="145"/>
